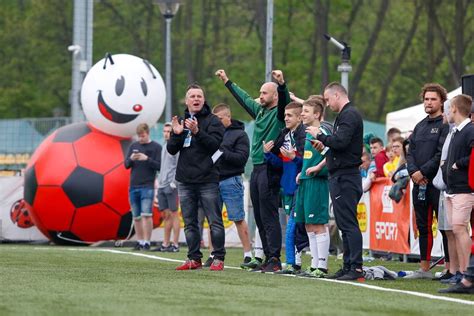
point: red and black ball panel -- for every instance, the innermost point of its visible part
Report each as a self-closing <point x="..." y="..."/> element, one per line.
<point x="76" y="187"/>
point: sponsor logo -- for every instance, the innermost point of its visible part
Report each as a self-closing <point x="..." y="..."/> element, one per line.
<point x="386" y="200"/>
<point x="386" y="230"/>
<point x="434" y="130"/>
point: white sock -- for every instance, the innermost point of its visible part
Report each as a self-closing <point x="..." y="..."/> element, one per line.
<point x="141" y="242"/>
<point x="248" y="254"/>
<point x="298" y="258"/>
<point x="258" y="248"/>
<point x="313" y="247"/>
<point x="323" y="250"/>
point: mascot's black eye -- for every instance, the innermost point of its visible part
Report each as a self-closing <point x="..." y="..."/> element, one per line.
<point x="119" y="86"/>
<point x="144" y="87"/>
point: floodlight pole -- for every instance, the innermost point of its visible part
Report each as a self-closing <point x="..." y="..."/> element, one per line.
<point x="345" y="67"/>
<point x="168" y="9"/>
<point x="81" y="53"/>
<point x="269" y="42"/>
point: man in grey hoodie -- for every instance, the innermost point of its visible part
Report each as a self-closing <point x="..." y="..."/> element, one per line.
<point x="168" y="195"/>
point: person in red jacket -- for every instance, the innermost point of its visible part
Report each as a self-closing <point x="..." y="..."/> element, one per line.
<point x="380" y="157"/>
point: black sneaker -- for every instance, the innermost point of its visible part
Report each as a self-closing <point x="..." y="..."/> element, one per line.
<point x="273" y="265"/>
<point x="338" y="274"/>
<point x="208" y="262"/>
<point x="173" y="248"/>
<point x="247" y="260"/>
<point x="160" y="248"/>
<point x="459" y="288"/>
<point x="137" y="247"/>
<point x="352" y="275"/>
<point x="445" y="276"/>
<point x="146" y="247"/>
<point x="252" y="264"/>
<point x="260" y="267"/>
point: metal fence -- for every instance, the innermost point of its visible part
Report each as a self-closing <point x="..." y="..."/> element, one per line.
<point x="20" y="137"/>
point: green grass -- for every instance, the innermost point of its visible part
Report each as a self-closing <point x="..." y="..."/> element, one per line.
<point x="57" y="281"/>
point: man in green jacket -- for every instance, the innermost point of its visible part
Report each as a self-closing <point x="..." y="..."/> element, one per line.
<point x="264" y="182"/>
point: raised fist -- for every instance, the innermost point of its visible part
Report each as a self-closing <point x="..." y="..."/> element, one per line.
<point x="278" y="76"/>
<point x="222" y="75"/>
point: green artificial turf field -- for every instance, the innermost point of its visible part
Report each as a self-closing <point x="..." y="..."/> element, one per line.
<point x="57" y="280"/>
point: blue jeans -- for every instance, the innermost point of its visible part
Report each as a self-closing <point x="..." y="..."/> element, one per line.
<point x="232" y="195"/>
<point x="141" y="201"/>
<point x="190" y="194"/>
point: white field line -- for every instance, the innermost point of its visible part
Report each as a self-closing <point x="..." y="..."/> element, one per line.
<point x="368" y="286"/>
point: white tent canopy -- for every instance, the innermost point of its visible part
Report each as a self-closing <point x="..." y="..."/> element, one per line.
<point x="406" y="119"/>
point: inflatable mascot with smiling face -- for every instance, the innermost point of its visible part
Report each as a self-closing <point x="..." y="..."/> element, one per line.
<point x="76" y="185"/>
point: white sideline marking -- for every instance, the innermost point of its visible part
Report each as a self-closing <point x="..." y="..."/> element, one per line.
<point x="130" y="253"/>
<point x="368" y="286"/>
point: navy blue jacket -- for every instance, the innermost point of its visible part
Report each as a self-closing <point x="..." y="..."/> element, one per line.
<point x="459" y="153"/>
<point x="426" y="142"/>
<point x="290" y="168"/>
<point x="235" y="149"/>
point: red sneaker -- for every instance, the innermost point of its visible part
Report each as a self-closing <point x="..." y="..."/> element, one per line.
<point x="189" y="265"/>
<point x="217" y="265"/>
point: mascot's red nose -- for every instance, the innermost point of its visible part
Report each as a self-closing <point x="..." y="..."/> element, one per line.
<point x="137" y="107"/>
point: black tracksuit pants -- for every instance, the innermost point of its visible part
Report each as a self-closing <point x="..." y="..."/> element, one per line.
<point x="424" y="218"/>
<point x="346" y="191"/>
<point x="265" y="201"/>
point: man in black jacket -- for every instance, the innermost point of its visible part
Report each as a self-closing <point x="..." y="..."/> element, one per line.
<point x="235" y="149"/>
<point x="459" y="197"/>
<point x="197" y="137"/>
<point x="345" y="183"/>
<point x="423" y="158"/>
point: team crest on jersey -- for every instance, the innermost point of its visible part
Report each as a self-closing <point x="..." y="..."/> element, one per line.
<point x="308" y="154"/>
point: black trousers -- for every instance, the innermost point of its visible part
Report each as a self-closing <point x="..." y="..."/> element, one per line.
<point x="346" y="191"/>
<point x="301" y="237"/>
<point x="265" y="202"/>
<point x="424" y="218"/>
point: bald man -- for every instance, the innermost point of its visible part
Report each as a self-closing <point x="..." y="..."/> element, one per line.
<point x="265" y="181"/>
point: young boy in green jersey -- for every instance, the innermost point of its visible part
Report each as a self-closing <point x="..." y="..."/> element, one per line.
<point x="312" y="198"/>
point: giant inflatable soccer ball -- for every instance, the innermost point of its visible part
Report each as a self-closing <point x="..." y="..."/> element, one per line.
<point x="120" y="92"/>
<point x="76" y="186"/>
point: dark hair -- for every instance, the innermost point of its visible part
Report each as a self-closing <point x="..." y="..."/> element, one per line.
<point x="375" y="140"/>
<point x="434" y="87"/>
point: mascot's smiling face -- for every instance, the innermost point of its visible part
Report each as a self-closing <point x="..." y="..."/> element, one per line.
<point x="120" y="92"/>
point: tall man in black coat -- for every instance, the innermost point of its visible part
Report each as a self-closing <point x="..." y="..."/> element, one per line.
<point x="345" y="183"/>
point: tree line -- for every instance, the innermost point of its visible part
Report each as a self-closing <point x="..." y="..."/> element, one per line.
<point x="397" y="46"/>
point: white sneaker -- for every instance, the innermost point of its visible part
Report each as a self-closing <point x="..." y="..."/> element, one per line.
<point x="419" y="274"/>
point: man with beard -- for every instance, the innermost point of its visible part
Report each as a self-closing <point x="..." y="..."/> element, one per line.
<point x="423" y="158"/>
<point x="265" y="180"/>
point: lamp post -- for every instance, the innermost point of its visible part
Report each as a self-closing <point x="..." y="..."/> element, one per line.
<point x="345" y="67"/>
<point x="168" y="9"/>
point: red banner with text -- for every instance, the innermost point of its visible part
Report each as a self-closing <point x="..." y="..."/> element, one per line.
<point x="389" y="221"/>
